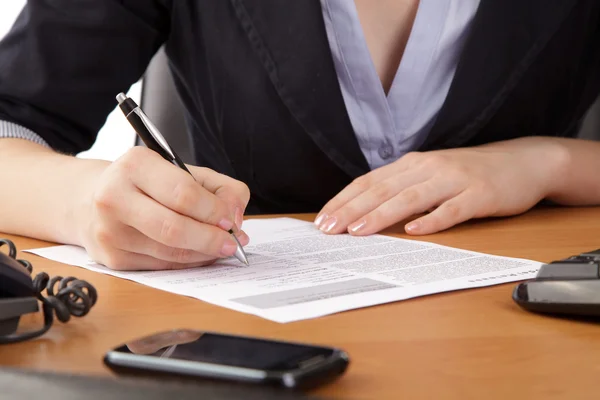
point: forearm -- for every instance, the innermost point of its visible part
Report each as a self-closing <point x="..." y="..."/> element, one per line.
<point x="578" y="179"/>
<point x="569" y="168"/>
<point x="40" y="190"/>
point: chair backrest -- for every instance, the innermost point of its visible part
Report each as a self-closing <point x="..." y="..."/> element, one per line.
<point x="160" y="101"/>
<point x="590" y="125"/>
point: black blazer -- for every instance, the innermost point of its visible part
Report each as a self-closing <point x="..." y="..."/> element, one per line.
<point x="260" y="90"/>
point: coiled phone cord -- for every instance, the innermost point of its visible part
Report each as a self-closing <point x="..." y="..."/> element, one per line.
<point x="66" y="297"/>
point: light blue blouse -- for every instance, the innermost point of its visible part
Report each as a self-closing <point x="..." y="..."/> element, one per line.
<point x="388" y="127"/>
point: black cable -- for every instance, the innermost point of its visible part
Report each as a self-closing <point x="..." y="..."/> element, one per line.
<point x="65" y="297"/>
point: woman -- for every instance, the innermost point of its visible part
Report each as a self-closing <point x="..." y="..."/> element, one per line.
<point x="369" y="112"/>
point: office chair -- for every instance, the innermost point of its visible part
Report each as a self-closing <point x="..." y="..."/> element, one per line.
<point x="160" y="101"/>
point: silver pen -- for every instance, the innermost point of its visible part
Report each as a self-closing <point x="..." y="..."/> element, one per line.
<point x="151" y="136"/>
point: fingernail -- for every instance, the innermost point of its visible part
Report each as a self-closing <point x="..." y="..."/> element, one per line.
<point x="320" y="219"/>
<point x="229" y="248"/>
<point x="355" y="227"/>
<point x="329" y="224"/>
<point x="413" y="226"/>
<point x="243" y="237"/>
<point x="225" y="224"/>
<point x="239" y="217"/>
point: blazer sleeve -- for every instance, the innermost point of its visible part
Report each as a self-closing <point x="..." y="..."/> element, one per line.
<point x="64" y="61"/>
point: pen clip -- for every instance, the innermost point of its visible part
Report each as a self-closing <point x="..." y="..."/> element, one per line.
<point x="154" y="132"/>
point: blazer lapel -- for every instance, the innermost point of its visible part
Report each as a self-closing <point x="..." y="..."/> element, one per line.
<point x="505" y="38"/>
<point x="290" y="39"/>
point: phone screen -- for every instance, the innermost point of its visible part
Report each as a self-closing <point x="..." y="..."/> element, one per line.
<point x="226" y="350"/>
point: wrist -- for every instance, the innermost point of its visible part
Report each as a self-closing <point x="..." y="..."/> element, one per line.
<point x="557" y="156"/>
<point x="77" y="205"/>
<point x="548" y="158"/>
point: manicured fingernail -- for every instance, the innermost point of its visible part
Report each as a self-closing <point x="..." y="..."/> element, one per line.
<point x="225" y="224"/>
<point x="329" y="224"/>
<point x="242" y="237"/>
<point x="413" y="226"/>
<point x="355" y="227"/>
<point x="229" y="248"/>
<point x="239" y="217"/>
<point x="320" y="219"/>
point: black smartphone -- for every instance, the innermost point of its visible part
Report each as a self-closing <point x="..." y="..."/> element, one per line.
<point x="199" y="354"/>
<point x="565" y="287"/>
<point x="576" y="297"/>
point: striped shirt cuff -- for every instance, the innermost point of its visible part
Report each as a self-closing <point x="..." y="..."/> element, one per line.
<point x="12" y="130"/>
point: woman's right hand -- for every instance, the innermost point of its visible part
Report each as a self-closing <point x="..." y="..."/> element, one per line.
<point x="144" y="213"/>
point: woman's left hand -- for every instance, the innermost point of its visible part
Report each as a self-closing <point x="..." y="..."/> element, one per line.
<point x="498" y="179"/>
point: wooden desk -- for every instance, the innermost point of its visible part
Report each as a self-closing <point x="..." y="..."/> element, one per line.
<point x="467" y="344"/>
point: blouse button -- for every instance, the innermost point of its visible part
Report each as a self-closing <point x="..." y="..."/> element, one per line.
<point x="386" y="150"/>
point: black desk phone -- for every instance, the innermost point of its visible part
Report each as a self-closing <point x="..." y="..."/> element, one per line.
<point x="568" y="287"/>
<point x="20" y="294"/>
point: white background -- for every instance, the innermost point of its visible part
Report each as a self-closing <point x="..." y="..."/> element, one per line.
<point x="117" y="136"/>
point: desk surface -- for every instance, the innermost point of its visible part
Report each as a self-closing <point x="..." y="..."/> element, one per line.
<point x="466" y="344"/>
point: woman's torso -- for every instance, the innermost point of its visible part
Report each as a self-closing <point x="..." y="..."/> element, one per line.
<point x="263" y="96"/>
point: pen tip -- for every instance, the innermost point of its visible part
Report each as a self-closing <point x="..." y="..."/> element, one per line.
<point x="121" y="97"/>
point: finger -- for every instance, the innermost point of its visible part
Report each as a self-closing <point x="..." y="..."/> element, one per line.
<point x="174" y="188"/>
<point x="220" y="183"/>
<point x="452" y="212"/>
<point x="414" y="199"/>
<point x="358" y="186"/>
<point x="368" y="201"/>
<point x="172" y="229"/>
<point x="121" y="260"/>
<point x="122" y="237"/>
<point x="362" y="184"/>
<point x="233" y="192"/>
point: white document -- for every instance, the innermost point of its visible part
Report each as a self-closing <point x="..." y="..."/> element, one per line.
<point x="296" y="272"/>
